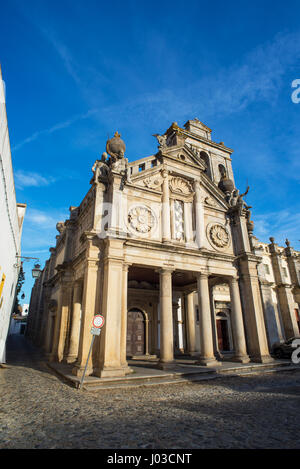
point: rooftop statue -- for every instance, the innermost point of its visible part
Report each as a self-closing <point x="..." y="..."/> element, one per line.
<point x="100" y="169"/>
<point x="162" y="140"/>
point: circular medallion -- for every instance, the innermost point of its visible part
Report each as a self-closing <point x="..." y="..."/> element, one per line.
<point x="141" y="219"/>
<point x="218" y="235"/>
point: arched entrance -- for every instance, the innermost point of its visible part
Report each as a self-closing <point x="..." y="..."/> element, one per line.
<point x="223" y="332"/>
<point x="135" y="333"/>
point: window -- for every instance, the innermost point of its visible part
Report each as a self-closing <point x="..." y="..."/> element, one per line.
<point x="222" y="170"/>
<point x="267" y="269"/>
<point x="284" y="272"/>
<point x="153" y="163"/>
<point x="142" y="167"/>
<point x="205" y="158"/>
<point x="197" y="314"/>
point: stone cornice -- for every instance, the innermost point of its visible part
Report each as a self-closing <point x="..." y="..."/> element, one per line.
<point x="195" y="252"/>
<point x="249" y="257"/>
<point x="266" y="283"/>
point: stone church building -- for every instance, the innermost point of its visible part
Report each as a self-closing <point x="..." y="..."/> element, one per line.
<point x="163" y="248"/>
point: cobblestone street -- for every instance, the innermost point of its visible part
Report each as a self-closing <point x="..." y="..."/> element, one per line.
<point x="38" y="410"/>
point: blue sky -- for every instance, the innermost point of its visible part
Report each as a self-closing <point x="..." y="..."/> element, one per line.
<point x="76" y="71"/>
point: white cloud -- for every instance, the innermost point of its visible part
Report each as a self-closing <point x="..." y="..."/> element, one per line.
<point x="280" y="225"/>
<point x="41" y="218"/>
<point x="29" y="179"/>
<point x="55" y="128"/>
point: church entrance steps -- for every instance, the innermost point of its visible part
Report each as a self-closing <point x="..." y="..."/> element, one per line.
<point x="145" y="375"/>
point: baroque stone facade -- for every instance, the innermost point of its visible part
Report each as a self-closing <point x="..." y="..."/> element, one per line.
<point x="163" y="248"/>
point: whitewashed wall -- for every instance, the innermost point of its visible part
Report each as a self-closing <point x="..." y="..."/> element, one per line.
<point x="11" y="219"/>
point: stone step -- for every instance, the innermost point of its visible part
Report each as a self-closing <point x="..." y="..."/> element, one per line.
<point x="195" y="376"/>
<point x="146" y="378"/>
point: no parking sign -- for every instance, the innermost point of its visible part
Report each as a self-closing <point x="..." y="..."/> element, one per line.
<point x="98" y="321"/>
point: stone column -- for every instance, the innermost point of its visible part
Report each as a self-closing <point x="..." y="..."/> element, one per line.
<point x="286" y="304"/>
<point x="61" y="322"/>
<point x="253" y="311"/>
<point x="207" y="356"/>
<point x="199" y="214"/>
<point x="49" y="338"/>
<point x="175" y="327"/>
<point x="124" y="317"/>
<point x="165" y="218"/>
<point x="166" y="320"/>
<point x="75" y="323"/>
<point x="146" y="336"/>
<point x="113" y="303"/>
<point x="88" y="312"/>
<point x="284" y="291"/>
<point x="237" y="323"/>
<point x="191" y="325"/>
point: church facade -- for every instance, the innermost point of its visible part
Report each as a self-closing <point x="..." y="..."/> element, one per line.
<point x="163" y="248"/>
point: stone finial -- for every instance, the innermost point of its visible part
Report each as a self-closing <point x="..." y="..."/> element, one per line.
<point x="287" y="242"/>
<point x="115" y="147"/>
<point x="60" y="226"/>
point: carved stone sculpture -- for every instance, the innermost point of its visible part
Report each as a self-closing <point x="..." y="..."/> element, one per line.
<point x="162" y="140"/>
<point x="153" y="182"/>
<point x="180" y="186"/>
<point x="219" y="235"/>
<point x="100" y="169"/>
<point x="60" y="226"/>
<point x="141" y="219"/>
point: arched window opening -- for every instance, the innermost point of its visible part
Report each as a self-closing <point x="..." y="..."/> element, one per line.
<point x="222" y="170"/>
<point x="205" y="158"/>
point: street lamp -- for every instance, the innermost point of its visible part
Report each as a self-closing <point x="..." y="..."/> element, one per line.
<point x="36" y="271"/>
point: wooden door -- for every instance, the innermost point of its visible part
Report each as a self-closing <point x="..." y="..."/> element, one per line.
<point x="135" y="333"/>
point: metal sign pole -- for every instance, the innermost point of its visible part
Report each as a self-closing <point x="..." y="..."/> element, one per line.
<point x="87" y="361"/>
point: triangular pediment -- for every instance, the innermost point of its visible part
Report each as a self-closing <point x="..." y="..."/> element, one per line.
<point x="212" y="197"/>
<point x="150" y="178"/>
<point x="183" y="153"/>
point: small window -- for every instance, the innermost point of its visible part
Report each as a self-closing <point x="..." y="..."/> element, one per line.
<point x="284" y="271"/>
<point x="153" y="163"/>
<point x="142" y="167"/>
<point x="197" y="314"/>
<point x="267" y="269"/>
<point x="222" y="170"/>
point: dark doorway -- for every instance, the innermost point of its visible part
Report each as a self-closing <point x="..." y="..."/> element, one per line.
<point x="135" y="333"/>
<point x="222" y="332"/>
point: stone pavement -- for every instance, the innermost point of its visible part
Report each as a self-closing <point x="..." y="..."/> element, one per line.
<point x="40" y="410"/>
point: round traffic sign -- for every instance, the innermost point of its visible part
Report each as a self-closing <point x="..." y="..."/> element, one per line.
<point x="98" y="321"/>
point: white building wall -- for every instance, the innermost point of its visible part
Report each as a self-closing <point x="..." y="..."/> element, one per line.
<point x="11" y="227"/>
